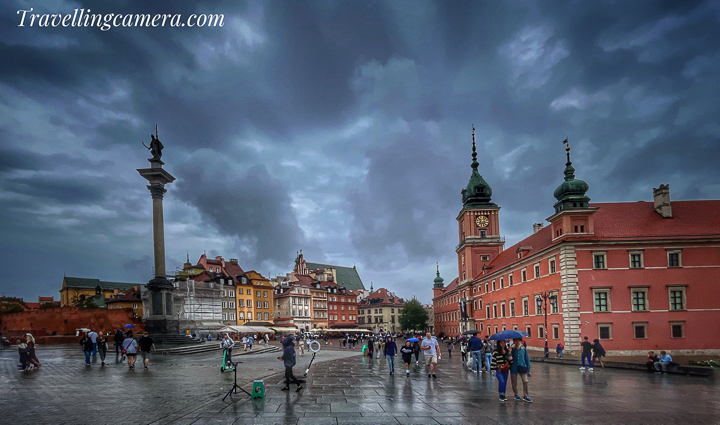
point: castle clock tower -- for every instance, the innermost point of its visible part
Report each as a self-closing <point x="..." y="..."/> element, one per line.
<point x="478" y="225"/>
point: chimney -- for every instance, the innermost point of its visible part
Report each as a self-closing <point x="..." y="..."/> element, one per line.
<point x="233" y="260"/>
<point x="537" y="227"/>
<point x="661" y="197"/>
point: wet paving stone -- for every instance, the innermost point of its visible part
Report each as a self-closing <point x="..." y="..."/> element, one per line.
<point x="343" y="388"/>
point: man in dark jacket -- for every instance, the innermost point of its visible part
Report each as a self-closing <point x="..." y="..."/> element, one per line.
<point x="475" y="346"/>
<point x="119" y="338"/>
<point x="288" y="359"/>
<point x="652" y="358"/>
<point x="370" y="346"/>
<point x="390" y="352"/>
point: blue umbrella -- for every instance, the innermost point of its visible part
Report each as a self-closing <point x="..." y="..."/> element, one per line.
<point x="509" y="334"/>
<point x="129" y="326"/>
<point x="413" y="339"/>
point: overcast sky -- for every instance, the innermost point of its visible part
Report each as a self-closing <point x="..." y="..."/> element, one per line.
<point x="339" y="128"/>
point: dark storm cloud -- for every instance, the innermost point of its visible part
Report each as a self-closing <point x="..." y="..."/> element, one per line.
<point x="246" y="204"/>
<point x="342" y="128"/>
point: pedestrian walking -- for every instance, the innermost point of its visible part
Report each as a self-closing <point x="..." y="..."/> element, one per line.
<point x="416" y="349"/>
<point x="118" y="339"/>
<point x="251" y="341"/>
<point x="430" y="349"/>
<point x="407" y="352"/>
<point x="371" y="347"/>
<point x="520" y="367"/>
<point x="463" y="352"/>
<point x="559" y="350"/>
<point x="390" y="352"/>
<point x="102" y="347"/>
<point x="147" y="345"/>
<point x="487" y="353"/>
<point x="598" y="352"/>
<point x="450" y="346"/>
<point x="301" y="343"/>
<point x="288" y="359"/>
<point x="31" y="356"/>
<point x="501" y="366"/>
<point x="130" y="346"/>
<point x="586" y="354"/>
<point x="93" y="337"/>
<point x="267" y="339"/>
<point x="23" y="353"/>
<point x="87" y="347"/>
<point x="475" y="346"/>
<point x="244" y="342"/>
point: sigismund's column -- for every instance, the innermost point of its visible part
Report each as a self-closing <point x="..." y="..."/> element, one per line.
<point x="158" y="312"/>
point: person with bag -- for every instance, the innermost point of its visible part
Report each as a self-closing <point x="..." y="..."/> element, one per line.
<point x="101" y="343"/>
<point x="520" y="366"/>
<point x="500" y="366"/>
<point x="475" y="347"/>
<point x="130" y="347"/>
<point x="87" y="347"/>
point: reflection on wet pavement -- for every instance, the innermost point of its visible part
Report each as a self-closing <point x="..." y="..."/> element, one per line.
<point x="342" y="388"/>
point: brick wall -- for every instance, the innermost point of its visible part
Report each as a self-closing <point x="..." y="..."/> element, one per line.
<point x="64" y="321"/>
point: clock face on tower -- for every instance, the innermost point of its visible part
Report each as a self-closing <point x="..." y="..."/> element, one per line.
<point x="482" y="221"/>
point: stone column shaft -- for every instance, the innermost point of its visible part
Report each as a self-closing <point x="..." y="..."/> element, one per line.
<point x="159" y="237"/>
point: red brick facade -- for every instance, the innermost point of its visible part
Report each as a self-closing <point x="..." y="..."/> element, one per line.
<point x="64" y="321"/>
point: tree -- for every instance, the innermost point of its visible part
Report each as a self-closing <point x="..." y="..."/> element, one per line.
<point x="413" y="316"/>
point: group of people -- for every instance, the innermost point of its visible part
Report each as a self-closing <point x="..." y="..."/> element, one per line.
<point x="592" y="352"/>
<point x="26" y="350"/>
<point x="126" y="345"/>
<point x="658" y="364"/>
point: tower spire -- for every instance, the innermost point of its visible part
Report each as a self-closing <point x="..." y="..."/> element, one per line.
<point x="438" y="268"/>
<point x="569" y="169"/>
<point x="475" y="164"/>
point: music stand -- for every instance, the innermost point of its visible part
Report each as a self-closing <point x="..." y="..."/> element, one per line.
<point x="235" y="386"/>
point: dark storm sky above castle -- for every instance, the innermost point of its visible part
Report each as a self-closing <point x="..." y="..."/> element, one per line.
<point x="339" y="128"/>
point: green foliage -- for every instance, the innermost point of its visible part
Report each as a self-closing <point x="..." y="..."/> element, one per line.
<point x="413" y="316"/>
<point x="11" y="308"/>
<point x="706" y="363"/>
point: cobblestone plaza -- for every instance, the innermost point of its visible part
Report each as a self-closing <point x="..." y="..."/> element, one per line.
<point x="343" y="388"/>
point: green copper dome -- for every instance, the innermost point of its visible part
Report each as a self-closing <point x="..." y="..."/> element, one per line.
<point x="438" y="280"/>
<point x="571" y="193"/>
<point x="478" y="192"/>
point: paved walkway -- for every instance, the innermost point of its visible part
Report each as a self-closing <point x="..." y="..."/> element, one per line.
<point x="343" y="388"/>
<point x="357" y="390"/>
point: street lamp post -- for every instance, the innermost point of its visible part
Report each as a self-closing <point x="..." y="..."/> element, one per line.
<point x="544" y="297"/>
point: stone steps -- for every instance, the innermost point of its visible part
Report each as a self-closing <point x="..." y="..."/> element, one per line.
<point x="213" y="347"/>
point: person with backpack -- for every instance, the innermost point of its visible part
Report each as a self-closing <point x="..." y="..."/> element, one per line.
<point x="288" y="359"/>
<point x="598" y="352"/>
<point x="520" y="366"/>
